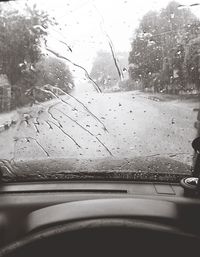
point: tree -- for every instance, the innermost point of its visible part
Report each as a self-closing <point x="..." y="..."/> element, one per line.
<point x="104" y="71"/>
<point x="51" y="70"/>
<point x="192" y="61"/>
<point x="159" y="48"/>
<point x="146" y="53"/>
<point x="21" y="35"/>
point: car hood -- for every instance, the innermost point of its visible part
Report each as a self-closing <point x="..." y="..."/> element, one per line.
<point x="135" y="169"/>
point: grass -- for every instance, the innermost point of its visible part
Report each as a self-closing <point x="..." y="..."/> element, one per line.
<point x="171" y="97"/>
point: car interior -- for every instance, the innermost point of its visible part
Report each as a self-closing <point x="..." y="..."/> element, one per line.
<point x="93" y="211"/>
<point x="97" y="217"/>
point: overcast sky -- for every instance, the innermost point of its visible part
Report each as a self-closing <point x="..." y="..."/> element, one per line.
<point x="83" y="24"/>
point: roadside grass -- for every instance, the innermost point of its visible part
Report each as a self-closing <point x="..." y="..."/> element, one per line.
<point x="170" y="97"/>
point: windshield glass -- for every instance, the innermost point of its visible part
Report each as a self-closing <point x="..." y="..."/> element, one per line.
<point x="101" y="86"/>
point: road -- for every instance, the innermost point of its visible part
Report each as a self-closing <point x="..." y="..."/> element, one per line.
<point x="92" y="125"/>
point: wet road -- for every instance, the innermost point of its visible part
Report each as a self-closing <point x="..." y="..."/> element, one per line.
<point x="92" y="125"/>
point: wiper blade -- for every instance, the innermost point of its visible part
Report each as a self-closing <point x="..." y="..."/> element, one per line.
<point x="107" y="169"/>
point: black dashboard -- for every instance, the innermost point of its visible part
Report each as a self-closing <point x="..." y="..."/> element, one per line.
<point x="29" y="207"/>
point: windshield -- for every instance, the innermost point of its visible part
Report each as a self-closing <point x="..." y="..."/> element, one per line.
<point x="99" y="86"/>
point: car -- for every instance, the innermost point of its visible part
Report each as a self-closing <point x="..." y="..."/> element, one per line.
<point x="95" y="217"/>
<point x="88" y="167"/>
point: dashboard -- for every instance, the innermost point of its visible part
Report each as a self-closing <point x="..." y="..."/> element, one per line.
<point x="29" y="207"/>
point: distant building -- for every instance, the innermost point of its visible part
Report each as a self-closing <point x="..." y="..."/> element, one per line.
<point x="5" y="93"/>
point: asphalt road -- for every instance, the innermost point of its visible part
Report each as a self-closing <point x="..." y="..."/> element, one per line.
<point x="91" y="125"/>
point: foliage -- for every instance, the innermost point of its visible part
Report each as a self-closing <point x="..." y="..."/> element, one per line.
<point x="104" y="71"/>
<point x="20" y="39"/>
<point x="164" y="52"/>
<point x="51" y="70"/>
<point x="23" y="31"/>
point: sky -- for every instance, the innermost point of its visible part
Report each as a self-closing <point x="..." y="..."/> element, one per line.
<point x="85" y="24"/>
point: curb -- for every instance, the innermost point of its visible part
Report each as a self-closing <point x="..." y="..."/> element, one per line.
<point x="7" y="125"/>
